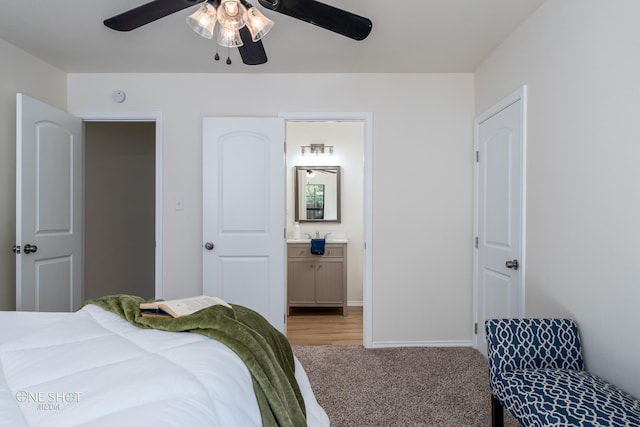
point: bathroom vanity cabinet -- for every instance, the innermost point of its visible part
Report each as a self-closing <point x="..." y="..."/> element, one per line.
<point x="317" y="280"/>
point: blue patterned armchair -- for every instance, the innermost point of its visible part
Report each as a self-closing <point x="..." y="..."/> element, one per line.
<point x="537" y="372"/>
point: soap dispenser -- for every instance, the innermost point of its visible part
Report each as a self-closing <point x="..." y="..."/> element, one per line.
<point x="296" y="231"/>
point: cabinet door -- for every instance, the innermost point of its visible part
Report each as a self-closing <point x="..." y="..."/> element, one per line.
<point x="329" y="282"/>
<point x="301" y="282"/>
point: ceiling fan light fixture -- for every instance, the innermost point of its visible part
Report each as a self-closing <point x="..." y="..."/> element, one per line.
<point x="203" y="20"/>
<point x="232" y="14"/>
<point x="258" y="24"/>
<point x="229" y="37"/>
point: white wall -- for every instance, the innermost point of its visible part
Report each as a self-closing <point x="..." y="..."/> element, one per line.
<point x="19" y="72"/>
<point x="347" y="138"/>
<point x="581" y="62"/>
<point x="422" y="175"/>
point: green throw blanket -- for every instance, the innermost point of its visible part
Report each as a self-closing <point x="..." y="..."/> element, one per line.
<point x="264" y="350"/>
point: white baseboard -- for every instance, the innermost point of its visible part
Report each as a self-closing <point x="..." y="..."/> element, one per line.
<point x="388" y="344"/>
<point x="354" y="304"/>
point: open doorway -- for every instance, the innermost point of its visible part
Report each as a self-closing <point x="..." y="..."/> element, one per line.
<point x="120" y="208"/>
<point x="60" y="169"/>
<point x="346" y="138"/>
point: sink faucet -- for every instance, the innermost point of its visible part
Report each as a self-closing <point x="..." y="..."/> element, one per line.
<point x="317" y="235"/>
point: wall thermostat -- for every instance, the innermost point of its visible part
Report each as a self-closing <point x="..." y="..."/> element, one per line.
<point x="118" y="95"/>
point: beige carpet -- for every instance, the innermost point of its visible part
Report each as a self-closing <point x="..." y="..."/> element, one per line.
<point x="425" y="386"/>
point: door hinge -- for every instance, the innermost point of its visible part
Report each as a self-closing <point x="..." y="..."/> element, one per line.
<point x="477" y="156"/>
<point x="475" y="328"/>
<point x="476" y="242"/>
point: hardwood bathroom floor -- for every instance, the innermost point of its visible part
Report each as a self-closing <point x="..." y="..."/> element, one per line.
<point x="313" y="326"/>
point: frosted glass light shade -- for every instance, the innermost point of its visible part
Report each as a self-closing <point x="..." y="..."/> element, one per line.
<point x="229" y="37"/>
<point x="203" y="20"/>
<point x="232" y="14"/>
<point x="258" y="24"/>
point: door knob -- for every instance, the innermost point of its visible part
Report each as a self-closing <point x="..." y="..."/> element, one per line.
<point x="208" y="246"/>
<point x="512" y="264"/>
<point x="29" y="249"/>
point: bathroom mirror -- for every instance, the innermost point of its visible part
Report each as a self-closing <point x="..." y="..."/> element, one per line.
<point x="317" y="190"/>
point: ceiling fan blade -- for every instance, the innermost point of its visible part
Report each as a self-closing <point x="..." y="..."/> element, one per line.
<point x="331" y="18"/>
<point x="252" y="53"/>
<point x="147" y="13"/>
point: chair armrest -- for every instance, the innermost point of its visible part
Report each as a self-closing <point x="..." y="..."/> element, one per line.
<point x="514" y="344"/>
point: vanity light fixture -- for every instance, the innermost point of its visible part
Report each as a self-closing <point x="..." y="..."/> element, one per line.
<point x="317" y="149"/>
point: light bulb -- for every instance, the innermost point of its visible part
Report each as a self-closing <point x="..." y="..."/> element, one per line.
<point x="203" y="20"/>
<point x="258" y="24"/>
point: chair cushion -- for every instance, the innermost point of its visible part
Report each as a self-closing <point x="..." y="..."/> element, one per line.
<point x="561" y="397"/>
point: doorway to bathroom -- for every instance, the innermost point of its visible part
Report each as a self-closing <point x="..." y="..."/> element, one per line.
<point x="347" y="138"/>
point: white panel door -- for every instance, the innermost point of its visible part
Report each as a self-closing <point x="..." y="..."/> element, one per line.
<point x="500" y="186"/>
<point x="48" y="208"/>
<point x="244" y="213"/>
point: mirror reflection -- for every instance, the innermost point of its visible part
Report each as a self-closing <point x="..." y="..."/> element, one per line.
<point x="317" y="191"/>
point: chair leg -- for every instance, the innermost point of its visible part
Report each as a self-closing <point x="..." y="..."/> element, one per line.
<point x="497" y="413"/>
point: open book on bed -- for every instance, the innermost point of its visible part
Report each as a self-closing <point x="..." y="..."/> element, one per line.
<point x="179" y="307"/>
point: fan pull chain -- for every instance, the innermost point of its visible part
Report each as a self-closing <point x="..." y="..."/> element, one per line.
<point x="217" y="55"/>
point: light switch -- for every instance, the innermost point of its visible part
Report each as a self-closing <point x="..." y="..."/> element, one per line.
<point x="179" y="204"/>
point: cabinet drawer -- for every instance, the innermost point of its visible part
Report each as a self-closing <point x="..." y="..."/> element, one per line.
<point x="334" y="251"/>
<point x="304" y="251"/>
<point x="298" y="251"/>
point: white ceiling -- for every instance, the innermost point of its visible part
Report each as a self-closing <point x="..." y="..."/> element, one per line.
<point x="413" y="36"/>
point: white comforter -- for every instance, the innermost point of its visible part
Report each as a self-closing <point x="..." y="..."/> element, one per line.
<point x="92" y="368"/>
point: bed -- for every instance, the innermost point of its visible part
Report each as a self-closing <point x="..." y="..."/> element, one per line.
<point x="94" y="368"/>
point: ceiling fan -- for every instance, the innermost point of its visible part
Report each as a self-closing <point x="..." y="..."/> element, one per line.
<point x="252" y="51"/>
